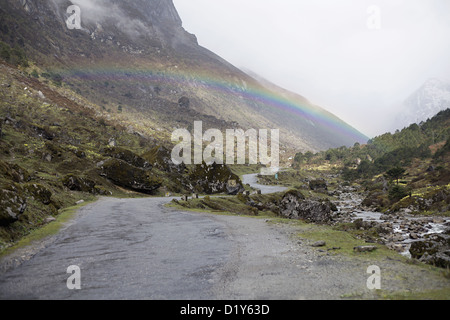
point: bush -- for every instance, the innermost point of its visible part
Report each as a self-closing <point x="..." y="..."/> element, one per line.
<point x="397" y="192"/>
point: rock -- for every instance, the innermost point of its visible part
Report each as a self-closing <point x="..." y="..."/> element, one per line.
<point x="294" y="206"/>
<point x="49" y="219"/>
<point x="75" y="183"/>
<point x="161" y="158"/>
<point x="438" y="220"/>
<point x="13" y="204"/>
<point x="14" y="172"/>
<point x="112" y="142"/>
<point x="360" y="224"/>
<point x="127" y="156"/>
<point x="319" y="244"/>
<point x="414" y="236"/>
<point x="430" y="246"/>
<point x="396" y="247"/>
<point x="79" y="202"/>
<point x="128" y="176"/>
<point x="317" y="185"/>
<point x="39" y="192"/>
<point x="439" y="259"/>
<point x="365" y="249"/>
<point x="214" y="179"/>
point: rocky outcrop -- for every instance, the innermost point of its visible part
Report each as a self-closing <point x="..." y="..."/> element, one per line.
<point x="127" y="156"/>
<point x="160" y="157"/>
<point x="13" y="203"/>
<point x="75" y="183"/>
<point x="294" y="206"/>
<point x="13" y="172"/>
<point x="213" y="179"/>
<point x="434" y="250"/>
<point x="39" y="193"/>
<point x="127" y="176"/>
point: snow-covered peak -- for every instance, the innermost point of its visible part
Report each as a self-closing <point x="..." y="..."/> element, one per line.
<point x="425" y="103"/>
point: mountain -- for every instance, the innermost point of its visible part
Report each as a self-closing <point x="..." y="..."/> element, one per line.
<point x="135" y="64"/>
<point x="425" y="103"/>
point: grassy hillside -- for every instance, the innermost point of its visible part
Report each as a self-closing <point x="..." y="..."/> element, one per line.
<point x="57" y="149"/>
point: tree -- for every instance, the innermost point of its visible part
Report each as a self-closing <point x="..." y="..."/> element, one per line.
<point x="396" y="173"/>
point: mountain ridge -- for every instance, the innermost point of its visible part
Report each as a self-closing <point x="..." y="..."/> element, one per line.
<point x="424" y="103"/>
<point x="137" y="57"/>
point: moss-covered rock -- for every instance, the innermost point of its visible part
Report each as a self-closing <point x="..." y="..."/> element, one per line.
<point x="127" y="176"/>
<point x="214" y="179"/>
<point x="160" y="157"/>
<point x="434" y="250"/>
<point x="318" y="185"/>
<point x="128" y="157"/>
<point x="13" y="203"/>
<point x="294" y="206"/>
<point x="13" y="172"/>
<point x="39" y="192"/>
<point x="76" y="183"/>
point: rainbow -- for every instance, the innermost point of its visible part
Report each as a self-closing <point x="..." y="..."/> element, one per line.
<point x="257" y="94"/>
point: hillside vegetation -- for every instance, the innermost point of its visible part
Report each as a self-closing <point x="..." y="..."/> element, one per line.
<point x="405" y="170"/>
<point x="56" y="151"/>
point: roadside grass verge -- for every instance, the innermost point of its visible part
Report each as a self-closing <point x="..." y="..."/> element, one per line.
<point x="48" y="230"/>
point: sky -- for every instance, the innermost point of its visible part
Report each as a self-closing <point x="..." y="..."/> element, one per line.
<point x="358" y="59"/>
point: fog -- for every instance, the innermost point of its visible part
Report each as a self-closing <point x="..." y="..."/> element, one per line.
<point x="358" y="59"/>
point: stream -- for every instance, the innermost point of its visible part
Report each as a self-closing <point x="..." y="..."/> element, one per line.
<point x="405" y="228"/>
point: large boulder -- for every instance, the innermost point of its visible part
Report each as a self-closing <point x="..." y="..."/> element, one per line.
<point x="39" y="192"/>
<point x="294" y="206"/>
<point x="75" y="183"/>
<point x="127" y="156"/>
<point x="161" y="158"/>
<point x="13" y="203"/>
<point x="213" y="179"/>
<point x="434" y="250"/>
<point x="127" y="176"/>
<point x="318" y="185"/>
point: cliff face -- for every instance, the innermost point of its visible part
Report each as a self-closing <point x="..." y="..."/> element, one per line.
<point x="140" y="20"/>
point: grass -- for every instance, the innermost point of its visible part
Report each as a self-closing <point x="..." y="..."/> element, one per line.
<point x="48" y="230"/>
<point x="344" y="241"/>
<point x="242" y="169"/>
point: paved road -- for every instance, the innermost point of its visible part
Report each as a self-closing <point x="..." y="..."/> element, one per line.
<point x="138" y="249"/>
<point x="252" y="179"/>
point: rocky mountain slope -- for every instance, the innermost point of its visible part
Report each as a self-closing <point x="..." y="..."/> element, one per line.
<point x="425" y="103"/>
<point x="136" y="62"/>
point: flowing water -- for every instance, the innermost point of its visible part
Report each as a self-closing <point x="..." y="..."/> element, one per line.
<point x="406" y="228"/>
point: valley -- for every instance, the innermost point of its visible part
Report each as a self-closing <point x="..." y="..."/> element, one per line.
<point x="90" y="116"/>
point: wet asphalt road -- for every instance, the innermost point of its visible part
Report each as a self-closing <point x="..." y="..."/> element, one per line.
<point x="126" y="249"/>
